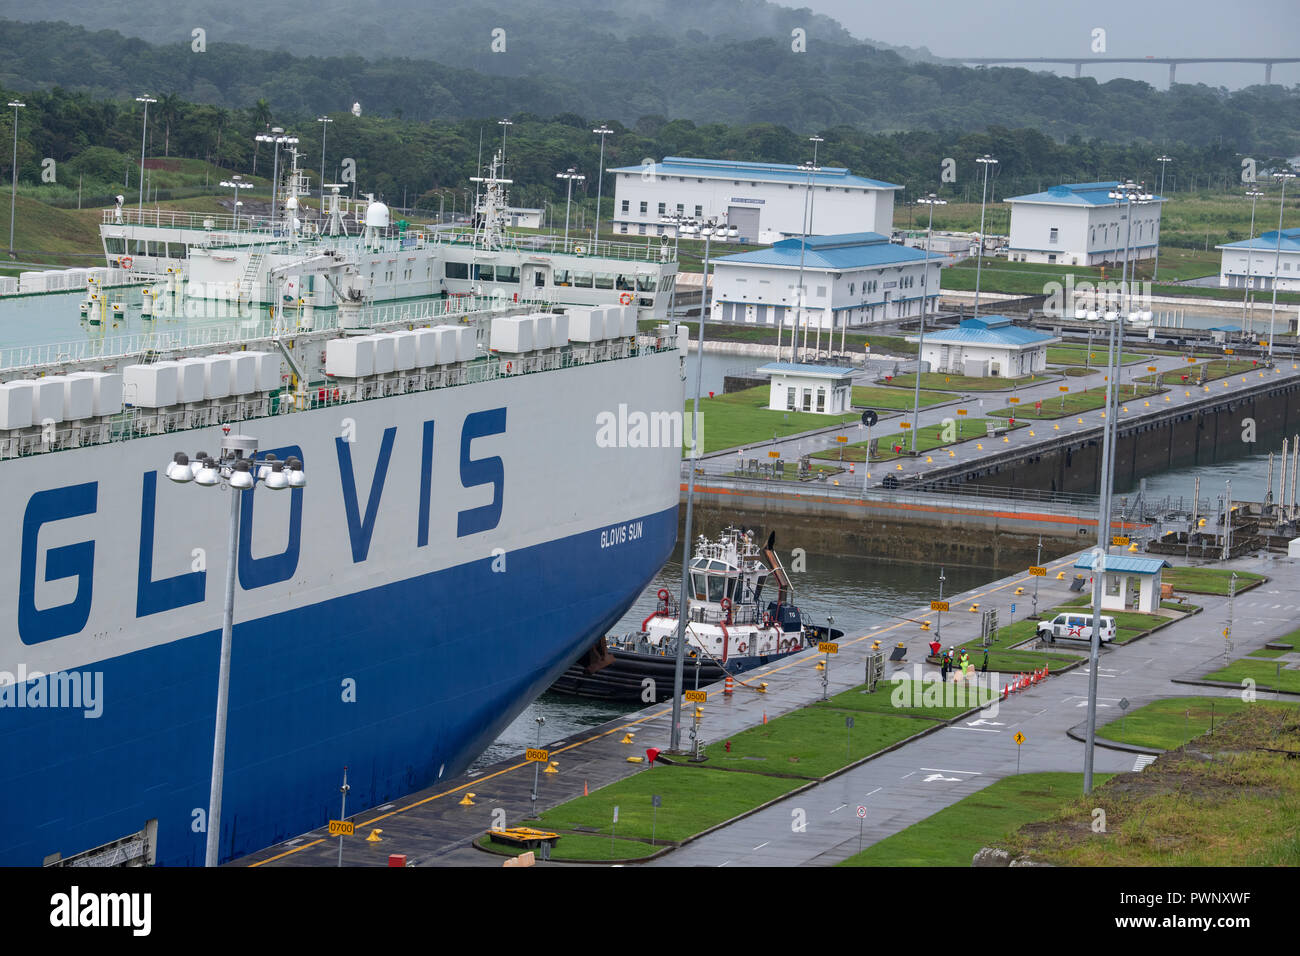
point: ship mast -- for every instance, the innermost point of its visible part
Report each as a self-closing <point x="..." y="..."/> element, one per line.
<point x="489" y="212"/>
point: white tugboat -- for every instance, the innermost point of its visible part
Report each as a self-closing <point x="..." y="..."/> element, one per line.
<point x="731" y="626"/>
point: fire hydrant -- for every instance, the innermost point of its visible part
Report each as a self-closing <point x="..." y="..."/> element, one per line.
<point x="728" y="746"/>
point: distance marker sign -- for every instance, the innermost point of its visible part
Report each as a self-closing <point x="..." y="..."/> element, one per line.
<point x="341" y="828"/>
<point x="537" y="756"/>
<point x="1038" y="572"/>
<point x="828" y="647"/>
<point x="938" y="605"/>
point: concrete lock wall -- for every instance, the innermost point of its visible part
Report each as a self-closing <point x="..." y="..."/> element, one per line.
<point x="900" y="531"/>
<point x="1213" y="432"/>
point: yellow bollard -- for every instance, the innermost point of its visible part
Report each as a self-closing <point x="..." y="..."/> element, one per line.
<point x="627" y="738"/>
<point x="375" y="837"/>
<point x="925" y="625"/>
<point x="974" y="608"/>
<point x="1060" y="575"/>
<point x="1020" y="590"/>
<point x="467" y="800"/>
<point x="551" y="768"/>
<point x="636" y="759"/>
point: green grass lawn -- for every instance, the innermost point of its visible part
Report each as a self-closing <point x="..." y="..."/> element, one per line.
<point x="1214" y="370"/>
<point x="1166" y="724"/>
<point x="911" y="698"/>
<point x="1207" y="580"/>
<point x="955" y="834"/>
<point x="946" y="381"/>
<point x="1079" y="355"/>
<point x="693" y="799"/>
<point x="928" y="438"/>
<point x="743" y="418"/>
<point x="1265" y="674"/>
<point x="868" y="396"/>
<point x="1071" y="403"/>
<point x="811" y="742"/>
<point x="583" y="846"/>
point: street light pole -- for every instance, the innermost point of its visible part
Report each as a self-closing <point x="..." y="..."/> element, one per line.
<point x="13" y="195"/>
<point x="1282" y="175"/>
<point x="570" y="175"/>
<point x="1254" y="195"/>
<point x="240" y="470"/>
<point x="931" y="200"/>
<point x="144" y="129"/>
<point x="1163" y="160"/>
<point x="675" y="736"/>
<point x="324" y="125"/>
<point x="986" y="161"/>
<point x="602" y="132"/>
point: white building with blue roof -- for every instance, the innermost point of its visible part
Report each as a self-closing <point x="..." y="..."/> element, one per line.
<point x="991" y="346"/>
<point x="759" y="202"/>
<point x="1078" y="224"/>
<point x="852" y="279"/>
<point x="822" y="389"/>
<point x="1264" y="260"/>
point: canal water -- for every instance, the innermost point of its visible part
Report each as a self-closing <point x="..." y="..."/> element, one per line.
<point x="858" y="592"/>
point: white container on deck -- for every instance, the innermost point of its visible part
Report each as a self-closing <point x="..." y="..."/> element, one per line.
<point x="513" y="334"/>
<point x="405" y="350"/>
<point x="216" y="376"/>
<point x="47" y="400"/>
<point x="16" y="404"/>
<point x="191" y="380"/>
<point x="243" y="373"/>
<point x="426" y="347"/>
<point x="466" y="344"/>
<point x="586" y="324"/>
<point x="266" y="371"/>
<point x="448" y="338"/>
<point x="150" y="386"/>
<point x="542" y="331"/>
<point x="78" y="397"/>
<point x="106" y="391"/>
<point x="629" y="320"/>
<point x="350" y="357"/>
<point x="559" y="331"/>
<point x="385" y="353"/>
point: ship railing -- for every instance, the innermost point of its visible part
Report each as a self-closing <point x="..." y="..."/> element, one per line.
<point x="145" y="344"/>
<point x="558" y="245"/>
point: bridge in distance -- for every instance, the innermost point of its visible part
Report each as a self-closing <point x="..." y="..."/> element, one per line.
<point x="1172" y="61"/>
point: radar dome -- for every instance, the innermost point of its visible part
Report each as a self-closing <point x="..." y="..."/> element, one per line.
<point x="377" y="215"/>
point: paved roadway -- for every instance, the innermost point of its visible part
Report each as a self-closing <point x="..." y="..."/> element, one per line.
<point x="979" y="404"/>
<point x="921" y="778"/>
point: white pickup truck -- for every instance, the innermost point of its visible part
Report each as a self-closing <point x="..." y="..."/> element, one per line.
<point x="1075" y="626"/>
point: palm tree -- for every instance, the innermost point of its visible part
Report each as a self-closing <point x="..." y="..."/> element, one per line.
<point x="169" y="107"/>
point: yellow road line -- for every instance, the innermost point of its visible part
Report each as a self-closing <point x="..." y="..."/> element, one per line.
<point x="579" y="743"/>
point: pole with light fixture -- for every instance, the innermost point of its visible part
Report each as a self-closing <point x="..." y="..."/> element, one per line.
<point x="13" y="195"/>
<point x="1163" y="160"/>
<point x="237" y="469"/>
<point x="569" y="175"/>
<point x="236" y="183"/>
<point x="324" y="125"/>
<point x="1253" y="195"/>
<point x="707" y="228"/>
<point x="1281" y="175"/>
<point x="602" y="132"/>
<point x="986" y="161"/>
<point x="931" y="200"/>
<point x="144" y="129"/>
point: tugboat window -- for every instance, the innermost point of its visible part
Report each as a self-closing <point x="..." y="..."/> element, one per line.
<point x="716" y="585"/>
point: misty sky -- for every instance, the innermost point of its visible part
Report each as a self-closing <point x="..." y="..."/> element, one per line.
<point x="1133" y="28"/>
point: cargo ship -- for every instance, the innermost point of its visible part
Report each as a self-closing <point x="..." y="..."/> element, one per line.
<point x="466" y="529"/>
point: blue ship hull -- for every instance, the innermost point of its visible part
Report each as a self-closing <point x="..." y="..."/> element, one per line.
<point x="404" y="684"/>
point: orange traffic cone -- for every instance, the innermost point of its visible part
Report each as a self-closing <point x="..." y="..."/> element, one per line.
<point x="584" y="788"/>
<point x="765" y="717"/>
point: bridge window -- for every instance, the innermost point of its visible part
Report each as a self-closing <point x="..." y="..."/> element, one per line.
<point x="645" y="283"/>
<point x="457" y="270"/>
<point x="507" y="273"/>
<point x="582" y="280"/>
<point x="115" y="247"/>
<point x="561" y="277"/>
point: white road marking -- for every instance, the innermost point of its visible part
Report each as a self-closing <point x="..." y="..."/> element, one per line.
<point x="877" y="790"/>
<point x="1142" y="762"/>
<point x="763" y="844"/>
<point x="839" y="808"/>
<point x="979" y="730"/>
<point x="973" y="773"/>
<point x="723" y="863"/>
<point x="294" y="842"/>
<point x="940" y="777"/>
